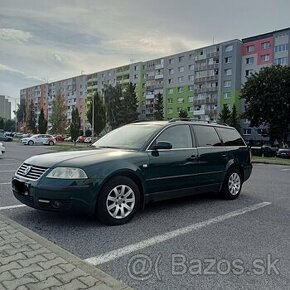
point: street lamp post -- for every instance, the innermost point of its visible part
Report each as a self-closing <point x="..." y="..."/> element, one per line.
<point x="93" y="117"/>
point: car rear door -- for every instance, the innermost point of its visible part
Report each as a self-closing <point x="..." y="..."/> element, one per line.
<point x="213" y="157"/>
<point x="176" y="168"/>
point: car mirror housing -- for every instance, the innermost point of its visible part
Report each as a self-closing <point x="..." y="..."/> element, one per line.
<point x="162" y="145"/>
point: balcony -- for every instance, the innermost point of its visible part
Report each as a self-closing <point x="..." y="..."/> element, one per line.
<point x="159" y="66"/>
<point x="149" y="96"/>
<point x="198" y="112"/>
<point x="159" y="76"/>
<point x="199" y="102"/>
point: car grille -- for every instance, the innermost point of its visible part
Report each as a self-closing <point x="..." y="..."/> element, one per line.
<point x="33" y="173"/>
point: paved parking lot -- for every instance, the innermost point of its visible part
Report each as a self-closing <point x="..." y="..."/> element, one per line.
<point x="199" y="242"/>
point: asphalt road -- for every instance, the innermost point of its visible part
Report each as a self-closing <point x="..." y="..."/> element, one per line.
<point x="200" y="242"/>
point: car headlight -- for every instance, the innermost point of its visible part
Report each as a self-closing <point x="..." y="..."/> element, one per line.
<point x="67" y="173"/>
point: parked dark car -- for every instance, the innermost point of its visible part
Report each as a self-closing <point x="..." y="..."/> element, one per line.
<point x="5" y="138"/>
<point x="136" y="164"/>
<point x="283" y="153"/>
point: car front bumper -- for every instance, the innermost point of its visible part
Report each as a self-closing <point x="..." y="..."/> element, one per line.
<point x="74" y="197"/>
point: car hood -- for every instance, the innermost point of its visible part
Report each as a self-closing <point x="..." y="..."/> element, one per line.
<point x="78" y="158"/>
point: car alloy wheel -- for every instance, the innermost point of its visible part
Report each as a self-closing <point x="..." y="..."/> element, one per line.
<point x="120" y="201"/>
<point x="234" y="183"/>
<point x="51" y="143"/>
<point x="30" y="143"/>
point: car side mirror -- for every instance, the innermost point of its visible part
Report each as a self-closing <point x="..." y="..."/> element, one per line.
<point x="162" y="145"/>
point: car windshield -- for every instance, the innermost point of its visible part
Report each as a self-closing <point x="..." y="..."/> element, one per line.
<point x="132" y="136"/>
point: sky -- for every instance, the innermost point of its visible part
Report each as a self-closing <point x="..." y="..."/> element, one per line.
<point x="43" y="41"/>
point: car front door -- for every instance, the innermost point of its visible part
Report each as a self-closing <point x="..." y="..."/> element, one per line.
<point x="213" y="157"/>
<point x="176" y="168"/>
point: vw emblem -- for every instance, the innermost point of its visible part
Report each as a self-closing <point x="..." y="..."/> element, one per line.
<point x="27" y="169"/>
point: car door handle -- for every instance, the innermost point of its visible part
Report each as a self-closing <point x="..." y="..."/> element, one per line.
<point x="192" y="157"/>
<point x="224" y="155"/>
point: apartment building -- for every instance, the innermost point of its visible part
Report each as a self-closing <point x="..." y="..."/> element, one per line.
<point x="200" y="81"/>
<point x="5" y="108"/>
<point x="258" y="52"/>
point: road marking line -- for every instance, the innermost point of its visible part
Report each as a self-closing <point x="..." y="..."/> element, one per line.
<point x="5" y="183"/>
<point x="6" y="171"/>
<point x="11" y="160"/>
<point x="12" y="206"/>
<point x="10" y="164"/>
<point x="115" y="254"/>
<point x="285" y="169"/>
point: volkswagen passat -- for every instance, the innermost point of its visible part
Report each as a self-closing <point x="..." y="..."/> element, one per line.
<point x="135" y="164"/>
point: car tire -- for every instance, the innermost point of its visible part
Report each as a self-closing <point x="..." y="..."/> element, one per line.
<point x="232" y="185"/>
<point x="118" y="202"/>
<point x="50" y="143"/>
<point x="30" y="143"/>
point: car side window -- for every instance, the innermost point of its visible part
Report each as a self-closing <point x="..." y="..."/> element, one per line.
<point x="230" y="137"/>
<point x="206" y="136"/>
<point x="179" y="136"/>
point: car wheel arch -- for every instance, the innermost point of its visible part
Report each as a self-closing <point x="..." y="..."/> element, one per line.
<point x="237" y="166"/>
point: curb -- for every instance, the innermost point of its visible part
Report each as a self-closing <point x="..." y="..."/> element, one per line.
<point x="69" y="257"/>
<point x="269" y="163"/>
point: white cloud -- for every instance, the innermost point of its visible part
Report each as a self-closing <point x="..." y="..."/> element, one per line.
<point x="14" y="35"/>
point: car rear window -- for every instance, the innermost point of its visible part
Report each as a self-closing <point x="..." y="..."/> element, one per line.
<point x="206" y="136"/>
<point x="230" y="137"/>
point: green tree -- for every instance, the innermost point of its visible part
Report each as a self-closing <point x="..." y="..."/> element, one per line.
<point x="234" y="118"/>
<point x="267" y="100"/>
<point x="225" y="115"/>
<point x="158" y="107"/>
<point x="58" y="116"/>
<point x="21" y="111"/>
<point x="75" y="124"/>
<point x="9" y="125"/>
<point x="114" y="106"/>
<point x="129" y="101"/>
<point x="2" y="123"/>
<point x="42" y="123"/>
<point x="31" y="118"/>
<point x="183" y="114"/>
<point x="99" y="114"/>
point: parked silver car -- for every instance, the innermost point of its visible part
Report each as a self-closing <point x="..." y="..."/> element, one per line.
<point x="39" y="139"/>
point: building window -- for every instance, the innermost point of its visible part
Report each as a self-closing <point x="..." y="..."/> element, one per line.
<point x="170" y="110"/>
<point x="191" y="78"/>
<point x="180" y="100"/>
<point x="191" y="88"/>
<point x="228" y="72"/>
<point x="180" y="89"/>
<point x="249" y="71"/>
<point x="135" y="77"/>
<point x="250" y="48"/>
<point x="227" y="95"/>
<point x="228" y="59"/>
<point x="181" y="69"/>
<point x="190" y="99"/>
<point x="169" y="81"/>
<point x="181" y="79"/>
<point x="265" y="57"/>
<point x="281" y="60"/>
<point x="170" y="91"/>
<point x="171" y="61"/>
<point x="136" y="67"/>
<point x="249" y="60"/>
<point x="180" y="59"/>
<point x="171" y="71"/>
<point x="227" y="84"/>
<point x="281" y="47"/>
<point x="265" y="45"/>
<point x="191" y="56"/>
<point x="191" y="67"/>
<point x="247" y="131"/>
<point x="170" y="101"/>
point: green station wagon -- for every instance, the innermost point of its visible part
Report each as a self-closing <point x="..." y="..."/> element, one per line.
<point x="136" y="164"/>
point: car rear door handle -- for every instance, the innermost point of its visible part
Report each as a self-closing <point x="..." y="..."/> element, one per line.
<point x="224" y="155"/>
<point x="192" y="158"/>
